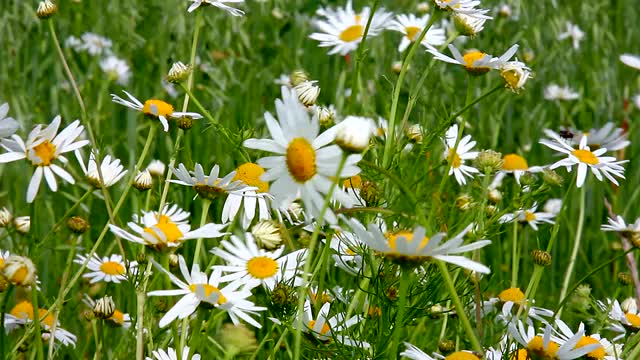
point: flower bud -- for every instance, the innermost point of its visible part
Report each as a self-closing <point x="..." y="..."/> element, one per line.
<point x="528" y="179"/>
<point x="104" y="308"/>
<point x="446" y="346"/>
<point x="353" y="134"/>
<point x="552" y="178"/>
<point x="185" y="122"/>
<point x="583" y="290"/>
<point x="629" y="305"/>
<point x="326" y="116"/>
<point x="464" y="202"/>
<point x="370" y="192"/>
<point x="625" y="278"/>
<point x="178" y="73"/>
<point x="494" y="195"/>
<point x="267" y="234"/>
<point x="237" y="339"/>
<point x="173" y="260"/>
<point x="5" y="217"/>
<point x="396" y="67"/>
<point x="156" y="168"/>
<point x="467" y="25"/>
<point x="489" y="161"/>
<point x="46" y="9"/>
<point x="423" y="7"/>
<point x="541" y="257"/>
<point x="143" y="181"/>
<point x="22" y="224"/>
<point x="297" y="77"/>
<point x="77" y="224"/>
<point x="504" y="11"/>
<point x="19" y="270"/>
<point x="141" y="258"/>
<point x="414" y="133"/>
<point x="307" y="92"/>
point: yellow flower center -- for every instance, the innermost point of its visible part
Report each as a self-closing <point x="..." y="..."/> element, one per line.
<point x="301" y="160"/>
<point x="46" y="151"/>
<point x="262" y="267"/>
<point x="514" y="162"/>
<point x="633" y="319"/>
<point x="529" y="216"/>
<point x="586" y="157"/>
<point x="1" y="263"/>
<point x="454" y="159"/>
<point x="208" y="290"/>
<point x="117" y="317"/>
<point x="249" y="174"/>
<point x="157" y="108"/>
<point x="170" y="230"/>
<point x="595" y="354"/>
<point x="512" y="294"/>
<point x="412" y="31"/>
<point x="325" y="328"/>
<point x="408" y="236"/>
<point x="353" y="32"/>
<point x="112" y="268"/>
<point x="354" y="182"/>
<point x="512" y="78"/>
<point x="536" y="347"/>
<point x="24" y="310"/>
<point x="461" y="355"/>
<point x="19" y="276"/>
<point x="471" y="57"/>
<point x="520" y="354"/>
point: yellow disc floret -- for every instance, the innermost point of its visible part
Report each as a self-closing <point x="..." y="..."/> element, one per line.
<point x="412" y="31"/>
<point x="536" y="347"/>
<point x="461" y="355"/>
<point x="513" y="162"/>
<point x="168" y="228"/>
<point x="513" y="294"/>
<point x="586" y="157"/>
<point x="208" y="291"/>
<point x="595" y="354"/>
<point x="46" y="153"/>
<point x="157" y="108"/>
<point x="112" y="268"/>
<point x="470" y="59"/>
<point x="262" y="267"/>
<point x="454" y="159"/>
<point x="249" y="174"/>
<point x="301" y="160"/>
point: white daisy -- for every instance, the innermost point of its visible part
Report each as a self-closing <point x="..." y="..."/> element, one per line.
<point x="22" y="314"/>
<point x="199" y="288"/>
<point x="628" y="318"/>
<point x="516" y="165"/>
<point x="415" y="247"/>
<point x="619" y="225"/>
<point x="461" y="154"/>
<point x="304" y="163"/>
<point x="167" y="229"/>
<point x="555" y="92"/>
<point x="544" y="347"/>
<point x="108" y="269"/>
<point x="252" y="266"/>
<point x="256" y="193"/>
<point x="209" y="186"/>
<point x="118" y="318"/>
<point x="509" y="301"/>
<point x="631" y="60"/>
<point x="565" y="333"/>
<point x="171" y="354"/>
<point x="411" y="26"/>
<point x="95" y="44"/>
<point x="156" y="168"/>
<point x="529" y="216"/>
<point x="343" y="28"/>
<point x="468" y="25"/>
<point x="325" y="329"/>
<point x="585" y="159"/>
<point x="8" y="125"/>
<point x="221" y="4"/>
<point x="111" y="169"/>
<point x="116" y="69"/>
<point x="609" y="136"/>
<point x="346" y="245"/>
<point x="42" y="148"/>
<point x="467" y="7"/>
<point x="154" y="108"/>
<point x="474" y="61"/>
<point x="573" y="32"/>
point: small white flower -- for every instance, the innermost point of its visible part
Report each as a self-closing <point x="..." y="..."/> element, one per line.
<point x="573" y="32"/>
<point x="111" y="169"/>
<point x="23" y="314"/>
<point x="555" y="92"/>
<point x="108" y="269"/>
<point x="171" y="354"/>
<point x="609" y="136"/>
<point x="156" y="168"/>
<point x="325" y="328"/>
<point x="619" y="225"/>
<point x="155" y="108"/>
<point x="553" y="206"/>
<point x="95" y="44"/>
<point x="8" y="125"/>
<point x="221" y="4"/>
<point x="307" y="92"/>
<point x="467" y="7"/>
<point x="474" y="61"/>
<point x="354" y="133"/>
<point x="462" y="153"/>
<point x="410" y="26"/>
<point x="116" y="69"/>
<point x="529" y="216"/>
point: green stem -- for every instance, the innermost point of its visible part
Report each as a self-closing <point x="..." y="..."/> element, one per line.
<point x="141" y="295"/>
<point x="3" y="333"/>
<point x="66" y="214"/>
<point x="355" y="83"/>
<point x="405" y="278"/>
<point x="36" y="321"/>
<point x="515" y="261"/>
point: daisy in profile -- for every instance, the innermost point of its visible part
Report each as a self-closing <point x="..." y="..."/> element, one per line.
<point x="530" y="216"/>
<point x="620" y="226"/>
<point x="516" y="165"/>
<point x="209" y="186"/>
<point x="556" y="92"/>
<point x="304" y="163"/>
<point x="8" y="125"/>
<point x="413" y="247"/>
<point x="220" y="4"/>
<point x="543" y="346"/>
<point x="631" y="60"/>
<point x="118" y="318"/>
<point x="626" y="317"/>
<point x="474" y="61"/>
<point x="22" y="314"/>
<point x="585" y="159"/>
<point x="574" y="33"/>
<point x="252" y="266"/>
<point x="154" y="108"/>
<point x="410" y="26"/>
<point x="167" y="229"/>
<point x="468" y="25"/>
<point x="325" y="329"/>
<point x="108" y="268"/>
<point x="42" y="148"/>
<point x="197" y="288"/>
<point x="343" y="28"/>
<point x="509" y="301"/>
<point x="460" y="155"/>
<point x="110" y="168"/>
<point x="256" y="194"/>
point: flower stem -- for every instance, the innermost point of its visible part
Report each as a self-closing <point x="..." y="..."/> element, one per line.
<point x="515" y="260"/>
<point x="36" y="322"/>
<point x="206" y="203"/>
<point x="355" y="83"/>
<point x="141" y="296"/>
<point x="405" y="278"/>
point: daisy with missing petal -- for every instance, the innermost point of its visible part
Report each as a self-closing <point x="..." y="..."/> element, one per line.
<point x="22" y="314"/>
<point x="325" y="329"/>
<point x="253" y="266"/>
<point x="197" y="288"/>
<point x="8" y="125"/>
<point x="343" y="28"/>
<point x="108" y="269"/>
<point x="631" y="60"/>
<point x="209" y="186"/>
<point x="460" y="155"/>
<point x="474" y="61"/>
<point x="585" y="159"/>
<point x="530" y="216"/>
<point x="413" y="247"/>
<point x="304" y="163"/>
<point x="221" y="4"/>
<point x="516" y="165"/>
<point x="346" y="244"/>
<point x="42" y="148"/>
<point x="167" y="229"/>
<point x="154" y="108"/>
<point x="257" y="193"/>
<point x="111" y="169"/>
<point x="410" y="26"/>
<point x="508" y="303"/>
<point x="118" y="318"/>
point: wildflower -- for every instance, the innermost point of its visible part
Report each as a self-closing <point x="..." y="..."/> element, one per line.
<point x="23" y="313"/>
<point x="171" y="354"/>
<point x="108" y="268"/>
<point x="325" y="329"/>
<point x="489" y="161"/>
<point x="154" y="108"/>
<point x="303" y="163"/>
<point x="326" y="115"/>
<point x="143" y="180"/>
<point x="504" y="10"/>
<point x="179" y="72"/>
<point x="630" y="231"/>
<point x="255" y="193"/>
<point x="104" y="308"/>
<point x="573" y="32"/>
<point x="116" y="69"/>
<point x="117" y="318"/>
<point x="609" y="136"/>
<point x="297" y="77"/>
<point x="412" y="352"/>
<point x="353" y="134"/>
<point x="414" y="247"/>
<point x="546" y="348"/>
<point x="508" y="303"/>
<point x="343" y="28"/>
<point x="593" y="341"/>
<point x="167" y="229"/>
<point x="468" y="25"/>
<point x="529" y="216"/>
<point x="221" y="4"/>
<point x="42" y="148"/>
<point x="209" y="187"/>
<point x="46" y="9"/>
<point x="467" y="7"/>
<point x="156" y="168"/>
<point x="198" y="289"/>
<point x="307" y="92"/>
<point x="19" y="270"/>
<point x="252" y="266"/>
<point x="22" y="224"/>
<point x="555" y="92"/>
<point x="411" y="26"/>
<point x="346" y="245"/>
<point x="631" y="60"/>
<point x="585" y="159"/>
<point x="78" y="225"/>
<point x="267" y="234"/>
<point x="5" y="217"/>
<point x="474" y="61"/>
<point x="456" y="159"/>
<point x="95" y="44"/>
<point x="8" y="125"/>
<point x="515" y="75"/>
<point x="111" y="171"/>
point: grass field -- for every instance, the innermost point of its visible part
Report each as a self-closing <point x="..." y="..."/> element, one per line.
<point x="330" y="196"/>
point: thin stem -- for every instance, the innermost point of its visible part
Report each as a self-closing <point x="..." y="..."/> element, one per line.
<point x="515" y="261"/>
<point x="3" y="333"/>
<point x="355" y="83"/>
<point x="402" y="302"/>
<point x="141" y="295"/>
<point x="203" y="220"/>
<point x="36" y="321"/>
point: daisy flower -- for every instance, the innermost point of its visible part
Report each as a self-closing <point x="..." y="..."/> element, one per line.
<point x="530" y="216"/>
<point x="467" y="7"/>
<point x="509" y="301"/>
<point x="22" y="314"/>
<point x="631" y="60"/>
<point x="585" y="159"/>
<point x="95" y="44"/>
<point x="254" y="266"/>
<point x="573" y="32"/>
<point x="8" y="125"/>
<point x="167" y="229"/>
<point x="198" y="288"/>
<point x="474" y="61"/>
<point x="325" y="329"/>
<point x="544" y="347"/>
<point x="111" y="169"/>
<point x="116" y="69"/>
<point x="154" y="108"/>
<point x="343" y="28"/>
<point x="108" y="269"/>
<point x="220" y="4"/>
<point x="515" y="75"/>
<point x="411" y="26"/>
<point x="42" y="148"/>
<point x="209" y="186"/>
<point x="609" y="136"/>
<point x="462" y="153"/>
<point x="415" y="247"/>
<point x="619" y="225"/>
<point x="629" y="318"/>
<point x="256" y="194"/>
<point x="565" y="333"/>
<point x="516" y="165"/>
<point x="468" y="25"/>
<point x="118" y="318"/>
<point x="412" y="352"/>
<point x="346" y="244"/>
<point x="171" y="354"/>
<point x="304" y="163"/>
<point x="555" y="92"/>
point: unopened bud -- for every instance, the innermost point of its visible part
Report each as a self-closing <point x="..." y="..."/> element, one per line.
<point x="141" y="258"/>
<point x="414" y="133"/>
<point x="326" y="116"/>
<point x="464" y="202"/>
<point x="238" y="339"/>
<point x="46" y="9"/>
<point x="396" y="67"/>
<point x="489" y="161"/>
<point x="5" y="217"/>
<point x="370" y="192"/>
<point x="552" y="178"/>
<point x="267" y="234"/>
<point x="541" y="257"/>
<point x="22" y="224"/>
<point x="446" y="346"/>
<point x="77" y="224"/>
<point x="494" y="195"/>
<point x="173" y="260"/>
<point x="104" y="308"/>
<point x="353" y="134"/>
<point x="178" y="73"/>
<point x="185" y="122"/>
<point x="143" y="181"/>
<point x="528" y="179"/>
<point x="307" y="92"/>
<point x="297" y="77"/>
<point x="423" y="7"/>
<point x="625" y="278"/>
